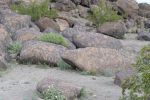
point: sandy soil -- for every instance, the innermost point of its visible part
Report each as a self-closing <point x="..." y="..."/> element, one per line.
<point x="19" y="83"/>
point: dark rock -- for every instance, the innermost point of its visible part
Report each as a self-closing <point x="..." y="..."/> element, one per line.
<point x="144" y="36"/>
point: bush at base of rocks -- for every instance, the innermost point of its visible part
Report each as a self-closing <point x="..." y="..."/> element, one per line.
<point x="138" y="86"/>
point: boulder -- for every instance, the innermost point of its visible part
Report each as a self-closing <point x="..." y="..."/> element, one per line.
<point x="26" y="34"/>
<point x="63" y="24"/>
<point x="27" y="2"/>
<point x="133" y="46"/>
<point x="114" y="29"/>
<point x="89" y="39"/>
<point x="129" y="7"/>
<point x="5" y="38"/>
<point x="63" y="5"/>
<point x="45" y="22"/>
<point x="70" y="91"/>
<point x="41" y="52"/>
<point x="147" y="24"/>
<point x="144" y="10"/>
<point x="121" y="76"/>
<point x="13" y="21"/>
<point x="144" y="36"/>
<point x="97" y="60"/>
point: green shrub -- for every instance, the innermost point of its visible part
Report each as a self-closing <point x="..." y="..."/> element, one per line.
<point x="53" y="94"/>
<point x="103" y="13"/>
<point x="63" y="65"/>
<point x="15" y="47"/>
<point x="53" y="38"/>
<point x="138" y="86"/>
<point x="36" y="11"/>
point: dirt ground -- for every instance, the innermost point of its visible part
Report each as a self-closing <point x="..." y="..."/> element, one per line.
<point x="19" y="83"/>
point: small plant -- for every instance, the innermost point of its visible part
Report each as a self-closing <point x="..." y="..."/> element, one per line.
<point x="63" y="65"/>
<point x="53" y="94"/>
<point x="15" y="47"/>
<point x="35" y="10"/>
<point x="53" y="38"/>
<point x="138" y="86"/>
<point x="103" y="13"/>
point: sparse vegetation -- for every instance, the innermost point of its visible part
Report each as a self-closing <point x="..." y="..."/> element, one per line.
<point x="53" y="38"/>
<point x="103" y="13"/>
<point x="53" y="94"/>
<point x="15" y="47"/>
<point x="138" y="86"/>
<point x="63" y="65"/>
<point x="36" y="11"/>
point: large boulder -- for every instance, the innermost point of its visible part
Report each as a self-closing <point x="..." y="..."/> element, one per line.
<point x="89" y="39"/>
<point x="45" y="22"/>
<point x="13" y="21"/>
<point x="128" y="7"/>
<point x="41" y="52"/>
<point x="26" y="34"/>
<point x="144" y="10"/>
<point x="70" y="91"/>
<point x="97" y="60"/>
<point x="114" y="29"/>
<point x="5" y="38"/>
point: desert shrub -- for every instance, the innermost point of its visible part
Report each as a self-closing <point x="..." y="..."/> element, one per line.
<point x="15" y="47"/>
<point x="138" y="86"/>
<point x="103" y="13"/>
<point x="35" y="10"/>
<point x="63" y="65"/>
<point x="53" y="38"/>
<point x="53" y="94"/>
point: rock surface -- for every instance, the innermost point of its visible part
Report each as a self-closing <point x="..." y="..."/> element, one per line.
<point x="114" y="29"/>
<point x="69" y="90"/>
<point x="41" y="52"/>
<point x="97" y="60"/>
<point x="89" y="39"/>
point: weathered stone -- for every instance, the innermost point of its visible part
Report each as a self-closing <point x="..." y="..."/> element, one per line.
<point x="114" y="29"/>
<point x="70" y="91"/>
<point x="63" y="24"/>
<point x="63" y="5"/>
<point x="26" y="34"/>
<point x="129" y="7"/>
<point x="89" y="39"/>
<point x="13" y="21"/>
<point x="97" y="60"/>
<point x="41" y="52"/>
<point x="121" y="76"/>
<point x="133" y="46"/>
<point x="144" y="36"/>
<point x="5" y="38"/>
<point x="45" y="22"/>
